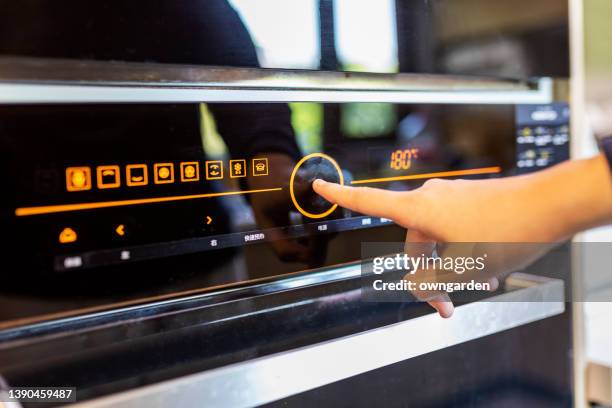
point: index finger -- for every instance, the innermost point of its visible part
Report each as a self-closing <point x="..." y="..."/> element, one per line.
<point x="370" y="201"/>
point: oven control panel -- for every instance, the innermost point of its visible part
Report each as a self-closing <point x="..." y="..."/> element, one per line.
<point x="111" y="203"/>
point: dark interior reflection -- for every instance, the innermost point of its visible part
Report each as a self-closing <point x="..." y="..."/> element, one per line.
<point x="360" y="137"/>
<point x="504" y="38"/>
<point x="73" y="135"/>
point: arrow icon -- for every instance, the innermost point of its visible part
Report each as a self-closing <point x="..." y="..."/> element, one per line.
<point x="208" y="220"/>
<point x="120" y="230"/>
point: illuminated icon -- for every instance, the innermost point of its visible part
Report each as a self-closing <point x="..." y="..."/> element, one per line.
<point x="136" y="175"/>
<point x="67" y="235"/>
<point x="526" y="131"/>
<point x="78" y="178"/>
<point x="402" y="159"/>
<point x="108" y="176"/>
<point x="209" y="220"/>
<point x="120" y="230"/>
<point x="214" y="170"/>
<point x="214" y="243"/>
<point x="190" y="171"/>
<point x="237" y="168"/>
<point x="260" y="167"/>
<point x="125" y="255"/>
<point x="164" y="173"/>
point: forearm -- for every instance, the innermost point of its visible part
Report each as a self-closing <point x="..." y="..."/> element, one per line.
<point x="573" y="196"/>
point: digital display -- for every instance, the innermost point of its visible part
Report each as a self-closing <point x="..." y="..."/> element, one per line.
<point x="109" y="203"/>
<point x="542" y="136"/>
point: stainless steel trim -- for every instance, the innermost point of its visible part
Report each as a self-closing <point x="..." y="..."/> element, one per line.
<point x="4" y="400"/>
<point x="8" y="404"/>
<point x="27" y="80"/>
<point x="271" y="378"/>
<point x="15" y="329"/>
<point x="151" y="74"/>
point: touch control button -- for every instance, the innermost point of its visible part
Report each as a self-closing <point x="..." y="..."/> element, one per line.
<point x="309" y="168"/>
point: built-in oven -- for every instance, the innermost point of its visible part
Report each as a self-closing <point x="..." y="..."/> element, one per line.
<point x="163" y="244"/>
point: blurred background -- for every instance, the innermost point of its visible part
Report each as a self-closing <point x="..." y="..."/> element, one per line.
<point x="595" y="84"/>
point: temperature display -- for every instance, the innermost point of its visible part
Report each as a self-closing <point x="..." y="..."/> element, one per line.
<point x="402" y="159"/>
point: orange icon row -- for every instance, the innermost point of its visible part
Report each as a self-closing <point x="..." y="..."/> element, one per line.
<point x="69" y="235"/>
<point x="109" y="176"/>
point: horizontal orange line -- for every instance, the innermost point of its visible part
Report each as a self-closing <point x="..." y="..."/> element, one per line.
<point x="452" y="173"/>
<point x="47" y="209"/>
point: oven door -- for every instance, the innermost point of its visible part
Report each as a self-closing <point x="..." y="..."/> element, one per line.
<point x="164" y="244"/>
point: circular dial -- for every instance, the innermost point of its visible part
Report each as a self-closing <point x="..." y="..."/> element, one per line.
<point x="309" y="168"/>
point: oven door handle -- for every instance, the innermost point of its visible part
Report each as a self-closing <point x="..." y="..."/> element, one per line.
<point x="277" y="376"/>
<point x="47" y="80"/>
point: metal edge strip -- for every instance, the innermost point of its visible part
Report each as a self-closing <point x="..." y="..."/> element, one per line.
<point x="11" y="334"/>
<point x="93" y="72"/>
<point x="28" y="93"/>
<point x="271" y="378"/>
<point x="4" y="401"/>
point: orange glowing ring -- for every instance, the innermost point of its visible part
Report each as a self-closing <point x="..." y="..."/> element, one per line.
<point x="292" y="193"/>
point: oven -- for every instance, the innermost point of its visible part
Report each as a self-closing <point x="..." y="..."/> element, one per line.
<point x="163" y="245"/>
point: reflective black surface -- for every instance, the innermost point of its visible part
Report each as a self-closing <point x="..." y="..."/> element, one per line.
<point x="509" y="369"/>
<point x="134" y="240"/>
<point x="103" y="355"/>
<point x="85" y="262"/>
<point x="505" y="38"/>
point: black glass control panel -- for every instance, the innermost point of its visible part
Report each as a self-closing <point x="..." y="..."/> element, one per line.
<point x="117" y="203"/>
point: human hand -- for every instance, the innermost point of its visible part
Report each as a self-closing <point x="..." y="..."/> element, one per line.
<point x="543" y="207"/>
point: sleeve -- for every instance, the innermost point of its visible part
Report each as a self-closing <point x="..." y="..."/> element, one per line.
<point x="599" y="114"/>
<point x="249" y="129"/>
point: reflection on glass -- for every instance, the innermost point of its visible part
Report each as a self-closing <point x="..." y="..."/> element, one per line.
<point x="213" y="143"/>
<point x="221" y="228"/>
<point x="285" y="33"/>
<point x="509" y="38"/>
<point x="368" y="119"/>
<point x="307" y="121"/>
<point x="366" y="38"/>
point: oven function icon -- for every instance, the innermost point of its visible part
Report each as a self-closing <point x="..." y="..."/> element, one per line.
<point x="214" y="170"/>
<point x="67" y="236"/>
<point x="190" y="171"/>
<point x="238" y="168"/>
<point x="260" y="167"/>
<point x="78" y="178"/>
<point x="108" y="176"/>
<point x="136" y="175"/>
<point x="120" y="230"/>
<point x="164" y="173"/>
